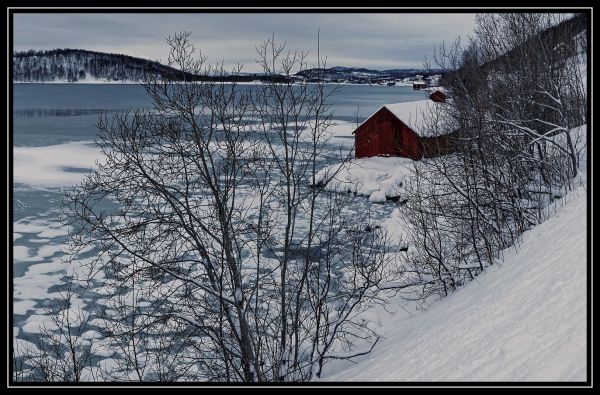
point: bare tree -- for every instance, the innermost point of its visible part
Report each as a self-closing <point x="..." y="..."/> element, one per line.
<point x="516" y="95"/>
<point x="218" y="246"/>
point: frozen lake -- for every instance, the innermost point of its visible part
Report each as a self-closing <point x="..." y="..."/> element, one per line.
<point x="53" y="133"/>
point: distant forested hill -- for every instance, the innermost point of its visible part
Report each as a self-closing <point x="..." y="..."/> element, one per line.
<point x="73" y="65"/>
<point x="76" y="64"/>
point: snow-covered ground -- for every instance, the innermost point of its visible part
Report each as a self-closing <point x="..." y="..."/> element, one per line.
<point x="522" y="320"/>
<point x="378" y="178"/>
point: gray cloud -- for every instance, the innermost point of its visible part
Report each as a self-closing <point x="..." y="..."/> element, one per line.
<point x="376" y="40"/>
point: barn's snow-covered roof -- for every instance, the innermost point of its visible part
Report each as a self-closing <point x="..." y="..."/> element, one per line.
<point x="424" y="117"/>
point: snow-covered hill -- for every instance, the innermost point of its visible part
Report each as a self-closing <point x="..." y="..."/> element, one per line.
<point x="523" y="320"/>
<point x="79" y="65"/>
<point x="73" y="65"/>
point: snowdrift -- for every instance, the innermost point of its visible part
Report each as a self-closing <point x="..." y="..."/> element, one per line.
<point x="522" y="320"/>
<point x="379" y="178"/>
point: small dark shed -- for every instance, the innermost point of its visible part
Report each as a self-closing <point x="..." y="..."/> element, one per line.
<point x="419" y="85"/>
<point x="438" y="97"/>
<point x="397" y="130"/>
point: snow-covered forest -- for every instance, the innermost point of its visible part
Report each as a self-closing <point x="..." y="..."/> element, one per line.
<point x="78" y="65"/>
<point x="75" y="64"/>
<point x="219" y="243"/>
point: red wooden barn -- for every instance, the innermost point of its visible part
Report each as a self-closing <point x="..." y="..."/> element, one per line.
<point x="398" y="130"/>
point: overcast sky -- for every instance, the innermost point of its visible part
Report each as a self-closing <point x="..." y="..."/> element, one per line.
<point x="379" y="41"/>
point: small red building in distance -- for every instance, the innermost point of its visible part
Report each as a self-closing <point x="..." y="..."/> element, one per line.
<point x="438" y="97"/>
<point x="398" y="130"/>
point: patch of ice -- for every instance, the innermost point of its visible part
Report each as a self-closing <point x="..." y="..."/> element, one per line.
<point x="21" y="307"/>
<point x="24" y="347"/>
<point x="89" y="335"/>
<point x="35" y="285"/>
<point x="45" y="268"/>
<point x="39" y="240"/>
<point x="102" y="350"/>
<point x="53" y="232"/>
<point x="49" y="250"/>
<point x="38" y="323"/>
<point x="43" y="228"/>
<point x="50" y="166"/>
<point x="22" y="254"/>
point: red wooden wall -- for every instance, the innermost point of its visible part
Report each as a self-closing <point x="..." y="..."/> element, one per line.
<point x="384" y="135"/>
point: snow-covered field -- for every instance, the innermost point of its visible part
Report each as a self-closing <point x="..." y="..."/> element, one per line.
<point x="522" y="320"/>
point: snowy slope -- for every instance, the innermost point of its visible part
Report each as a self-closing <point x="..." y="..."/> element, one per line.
<point x="524" y="320"/>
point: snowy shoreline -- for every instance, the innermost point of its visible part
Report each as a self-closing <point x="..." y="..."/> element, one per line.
<point x="378" y="178"/>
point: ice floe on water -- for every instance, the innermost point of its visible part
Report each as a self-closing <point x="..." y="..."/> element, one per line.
<point x="39" y="268"/>
<point x="35" y="285"/>
<point x="24" y="347"/>
<point x="47" y="251"/>
<point x="36" y="261"/>
<point x="24" y="254"/>
<point x="39" y="240"/>
<point x="21" y="307"/>
<point x="91" y="334"/>
<point x="39" y="323"/>
<point x="42" y="228"/>
<point x="54" y="165"/>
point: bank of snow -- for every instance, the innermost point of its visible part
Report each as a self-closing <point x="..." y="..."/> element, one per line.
<point x="523" y="320"/>
<point x="379" y="178"/>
